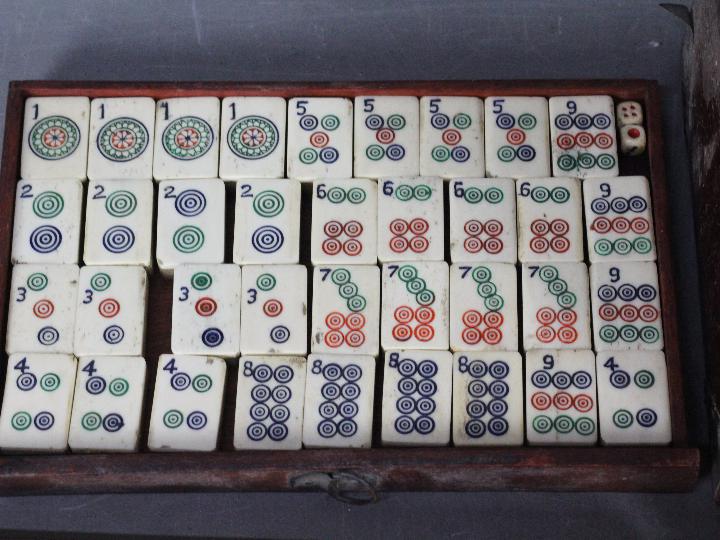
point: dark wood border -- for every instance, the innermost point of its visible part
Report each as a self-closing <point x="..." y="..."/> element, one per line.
<point x="672" y="468"/>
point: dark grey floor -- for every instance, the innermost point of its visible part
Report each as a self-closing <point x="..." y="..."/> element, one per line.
<point x="291" y="40"/>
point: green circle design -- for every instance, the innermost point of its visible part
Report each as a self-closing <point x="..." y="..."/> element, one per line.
<point x="494" y="302"/>
<point x="487" y="289"/>
<point x="608" y="333"/>
<point x="540" y="194"/>
<point x="560" y="195"/>
<point x="122" y="139"/>
<point x="202" y="383"/>
<point x="644" y="379"/>
<point x="201" y="281"/>
<point x="50" y="382"/>
<point x="629" y="333"/>
<point x="100" y="282"/>
<point x="585" y="426"/>
<point x="330" y="122"/>
<point x="188" y="239"/>
<point x="494" y="195"/>
<point x="425" y="298"/>
<point x="440" y="153"/>
<point x="340" y="276"/>
<point x="91" y="421"/>
<point x="605" y="161"/>
<point x="506" y="153"/>
<point x="557" y="286"/>
<point x="566" y="162"/>
<point x="462" y="121"/>
<point x="603" y="247"/>
<point x="268" y="203"/>
<point x="265" y="282"/>
<point x="173" y="418"/>
<point x="308" y="156"/>
<point x="585" y="160"/>
<point x="120" y="203"/>
<point x="404" y="192"/>
<point x="336" y="195"/>
<point x="184" y="127"/>
<point x="54" y="137"/>
<point x="482" y="274"/>
<point x="542" y="424"/>
<point x="649" y="334"/>
<point x="356" y="195"/>
<point x="48" y="204"/>
<point x="416" y="285"/>
<point x="252" y="137"/>
<point x="37" y="281"/>
<point x="549" y="273"/>
<point x="473" y="195"/>
<point x="422" y="192"/>
<point x="348" y="290"/>
<point x="21" y="420"/>
<point x="642" y="245"/>
<point x="407" y="273"/>
<point x="118" y="387"/>
<point x="356" y="303"/>
<point x="527" y="121"/>
<point x="563" y="423"/>
<point x="622" y="418"/>
<point x="622" y="246"/>
<point x="396" y="121"/>
<point x="375" y="152"/>
<point x="567" y="300"/>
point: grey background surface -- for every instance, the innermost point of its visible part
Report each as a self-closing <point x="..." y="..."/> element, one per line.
<point x="316" y="41"/>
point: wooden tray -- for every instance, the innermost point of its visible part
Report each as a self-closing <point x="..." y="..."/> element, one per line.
<point x="354" y="474"/>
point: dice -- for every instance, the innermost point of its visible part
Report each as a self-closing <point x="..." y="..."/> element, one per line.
<point x="206" y="310"/>
<point x="111" y="305"/>
<point x="344" y="222"/>
<point x="417" y="398"/>
<point x="269" y="404"/>
<point x="487" y="399"/>
<point x="107" y="404"/>
<point x="190" y="223"/>
<point x="274" y="310"/>
<point x="560" y="397"/>
<point x="452" y="142"/>
<point x="186" y="144"/>
<point x="387" y="136"/>
<point x="55" y="138"/>
<point x="37" y="402"/>
<point x="556" y="306"/>
<point x="415" y="306"/>
<point x="339" y="401"/>
<point x="187" y="403"/>
<point x="118" y="222"/>
<point x="46" y="229"/>
<point x="483" y="225"/>
<point x="633" y="140"/>
<point x="122" y="136"/>
<point x="629" y="113"/>
<point x="410" y="220"/>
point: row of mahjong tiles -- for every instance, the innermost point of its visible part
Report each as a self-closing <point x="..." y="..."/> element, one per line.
<point x="310" y="138"/>
<point x="572" y="397"/>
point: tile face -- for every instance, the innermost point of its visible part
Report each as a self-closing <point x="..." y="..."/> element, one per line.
<point x="186" y="131"/>
<point x="556" y="306"/>
<point x="582" y="134"/>
<point x="619" y="220"/>
<point x="346" y="310"/>
<point x="269" y="405"/>
<point x="415" y="299"/>
<point x="111" y="304"/>
<point x="452" y="140"/>
<point x="122" y="137"/>
<point x="416" y="401"/>
<point x="339" y="401"/>
<point x="550" y="225"/>
<point x="344" y="222"/>
<point x="267" y="222"/>
<point x="633" y="400"/>
<point x="626" y="306"/>
<point x="410" y="220"/>
<point x="36" y="403"/>
<point x="47" y="222"/>
<point x="488" y="399"/>
<point x="483" y="225"/>
<point x="119" y="222"/>
<point x="516" y="137"/>
<point x="55" y="138"/>
<point x="190" y="223"/>
<point x="107" y="404"/>
<point x="274" y="310"/>
<point x="560" y="397"/>
<point x="319" y="138"/>
<point x="252" y="138"/>
<point x="41" y="317"/>
<point x="387" y="136"/>
<point x="206" y="310"/>
<point x="483" y="307"/>
<point x="187" y="403"/>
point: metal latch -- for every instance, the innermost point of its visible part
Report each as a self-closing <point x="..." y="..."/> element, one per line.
<point x="345" y="486"/>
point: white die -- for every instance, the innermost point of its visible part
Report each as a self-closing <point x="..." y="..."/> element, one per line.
<point x="629" y="113"/>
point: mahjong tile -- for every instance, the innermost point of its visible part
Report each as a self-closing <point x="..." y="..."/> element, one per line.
<point x="626" y="306"/>
<point x="387" y="136"/>
<point x="346" y="310"/>
<point x="550" y="225"/>
<point x="55" y="138"/>
<point x="582" y="134"/>
<point x="319" y="138"/>
<point x="556" y="306"/>
<point x="46" y="229"/>
<point x="252" y="137"/>
<point x="415" y="298"/>
<point x="339" y="401"/>
<point x="108" y="404"/>
<point x="452" y="140"/>
<point x="41" y="317"/>
<point x="560" y="397"/>
<point x="633" y="399"/>
<point x="417" y="398"/>
<point x="119" y="222"/>
<point x="122" y="138"/>
<point x="344" y="222"/>
<point x="269" y="404"/>
<point x="187" y="403"/>
<point x="483" y="225"/>
<point x="516" y="137"/>
<point x="274" y="309"/>
<point x="483" y="307"/>
<point x="111" y="304"/>
<point x="186" y="131"/>
<point x="410" y="219"/>
<point x="488" y="399"/>
<point x="206" y="310"/>
<point x="619" y="219"/>
<point x="37" y="402"/>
